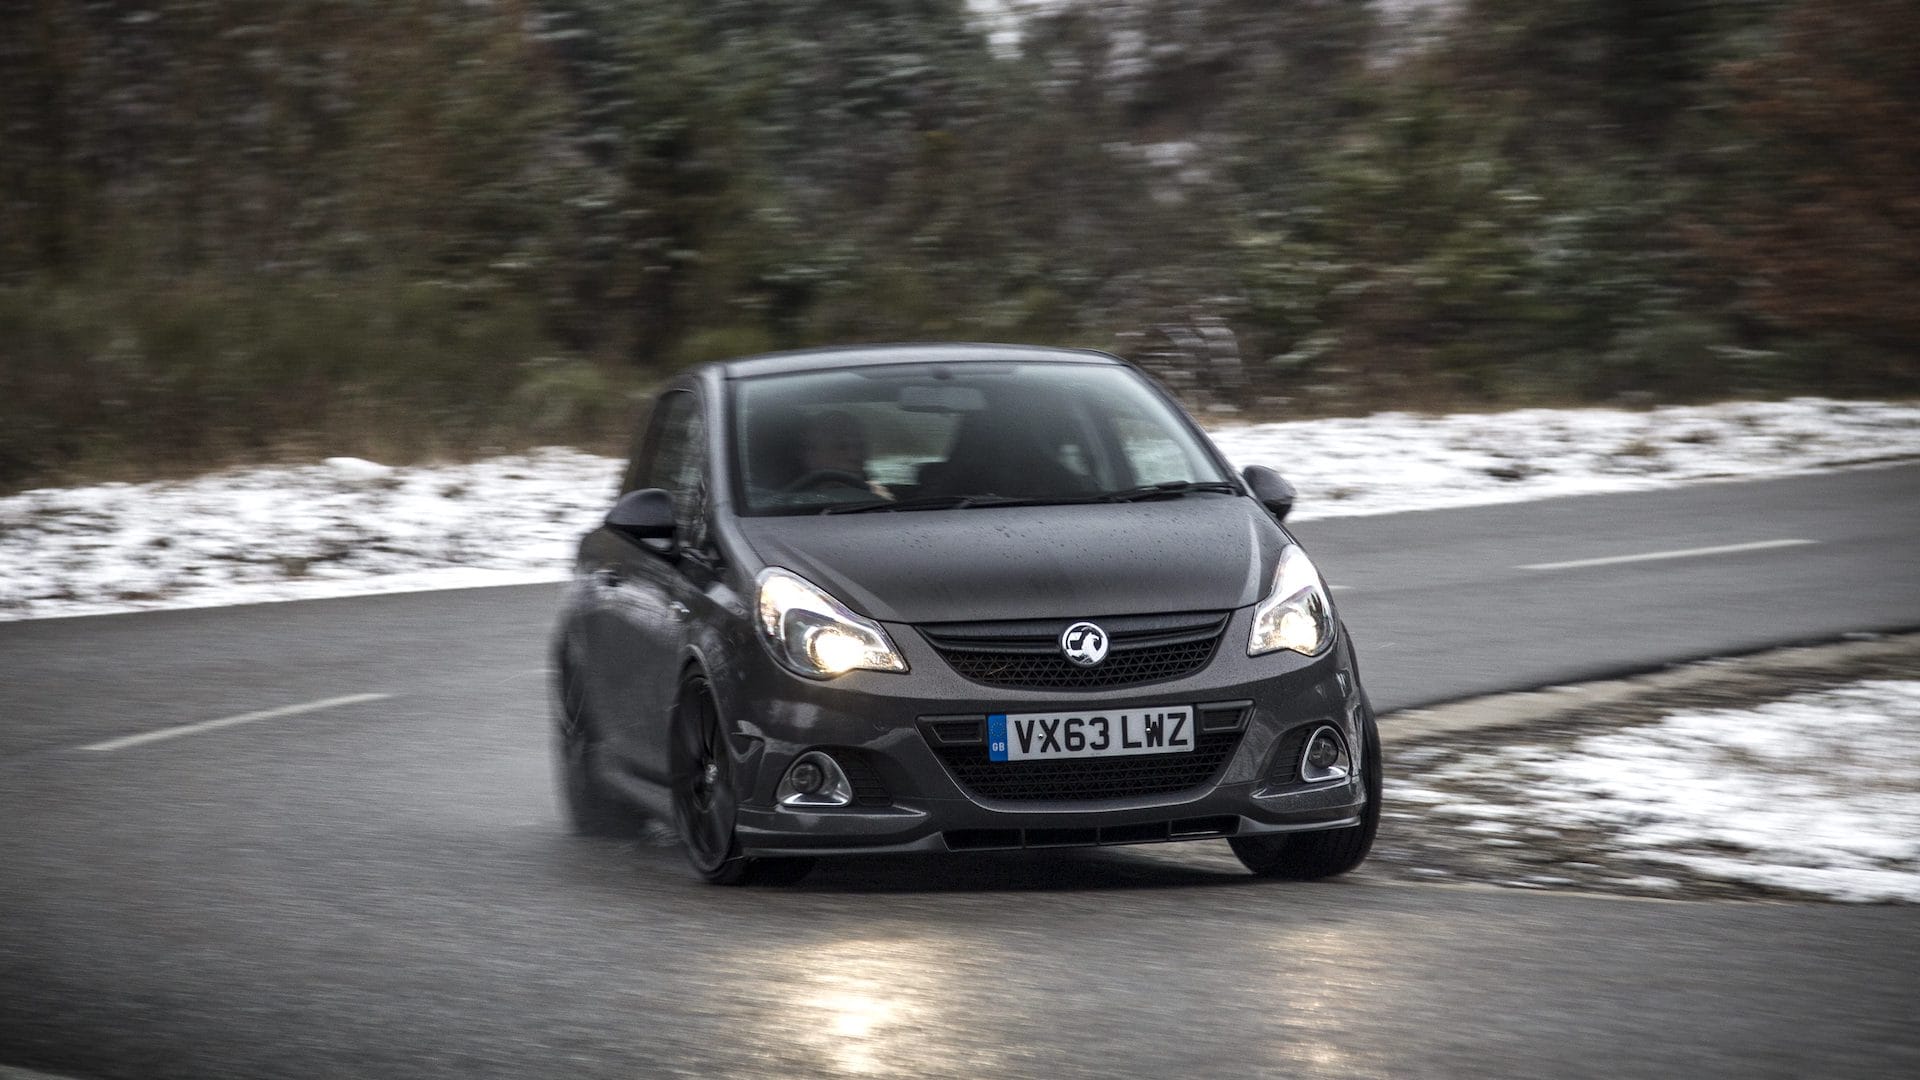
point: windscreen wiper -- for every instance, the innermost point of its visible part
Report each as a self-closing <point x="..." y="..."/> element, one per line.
<point x="931" y="502"/>
<point x="1171" y="489"/>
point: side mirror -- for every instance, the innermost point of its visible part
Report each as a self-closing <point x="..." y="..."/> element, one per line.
<point x="646" y="516"/>
<point x="1271" y="489"/>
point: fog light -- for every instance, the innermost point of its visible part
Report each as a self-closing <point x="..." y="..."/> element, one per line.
<point x="1325" y="757"/>
<point x="814" y="779"/>
<point x="807" y="777"/>
<point x="1322" y="754"/>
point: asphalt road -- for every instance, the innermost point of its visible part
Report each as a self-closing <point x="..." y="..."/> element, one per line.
<point x="383" y="888"/>
<point x="1442" y="611"/>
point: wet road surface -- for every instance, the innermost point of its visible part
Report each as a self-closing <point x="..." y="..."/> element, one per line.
<point x="382" y="886"/>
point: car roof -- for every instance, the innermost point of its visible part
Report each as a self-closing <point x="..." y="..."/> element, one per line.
<point x="850" y="356"/>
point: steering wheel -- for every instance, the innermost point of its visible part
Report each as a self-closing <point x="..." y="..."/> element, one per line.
<point x="823" y="477"/>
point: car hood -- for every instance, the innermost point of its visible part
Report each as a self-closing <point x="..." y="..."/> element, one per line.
<point x="1199" y="553"/>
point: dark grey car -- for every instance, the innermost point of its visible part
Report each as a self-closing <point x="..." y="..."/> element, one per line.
<point x="951" y="598"/>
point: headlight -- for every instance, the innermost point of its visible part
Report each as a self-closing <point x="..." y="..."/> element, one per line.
<point x="1296" y="613"/>
<point x="816" y="635"/>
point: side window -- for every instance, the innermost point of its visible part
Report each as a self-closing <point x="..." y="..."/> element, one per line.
<point x="674" y="459"/>
<point x="646" y="443"/>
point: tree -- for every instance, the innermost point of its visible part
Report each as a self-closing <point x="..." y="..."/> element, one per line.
<point x="1824" y="235"/>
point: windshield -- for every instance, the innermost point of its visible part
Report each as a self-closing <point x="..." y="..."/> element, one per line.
<point x="947" y="435"/>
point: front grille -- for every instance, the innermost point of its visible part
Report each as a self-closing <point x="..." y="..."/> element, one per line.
<point x="1090" y="778"/>
<point x="1025" y="654"/>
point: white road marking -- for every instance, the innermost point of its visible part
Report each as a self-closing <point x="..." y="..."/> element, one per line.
<point x="228" y="721"/>
<point x="14" y="1072"/>
<point x="527" y="674"/>
<point x="1684" y="553"/>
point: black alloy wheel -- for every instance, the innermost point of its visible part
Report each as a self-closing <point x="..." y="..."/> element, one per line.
<point x="704" y="802"/>
<point x="593" y="807"/>
<point x="1324" y="853"/>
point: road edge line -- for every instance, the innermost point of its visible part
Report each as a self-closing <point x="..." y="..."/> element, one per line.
<point x="1676" y="553"/>
<point x="142" y="738"/>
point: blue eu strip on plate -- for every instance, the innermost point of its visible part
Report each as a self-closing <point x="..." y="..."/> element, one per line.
<point x="997" y="737"/>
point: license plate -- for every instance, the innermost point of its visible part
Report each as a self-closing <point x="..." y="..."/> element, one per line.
<point x="1159" y="729"/>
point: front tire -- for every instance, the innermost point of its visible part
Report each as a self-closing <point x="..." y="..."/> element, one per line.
<point x="1310" y="856"/>
<point x="704" y="801"/>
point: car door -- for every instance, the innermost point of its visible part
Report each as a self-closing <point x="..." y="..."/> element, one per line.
<point x="686" y="581"/>
<point x="643" y="597"/>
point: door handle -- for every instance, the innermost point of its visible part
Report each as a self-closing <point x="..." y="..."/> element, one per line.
<point x="678" y="609"/>
<point x="606" y="579"/>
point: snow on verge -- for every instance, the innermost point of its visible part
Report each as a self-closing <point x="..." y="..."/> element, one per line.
<point x="1818" y="793"/>
<point x="1392" y="462"/>
<point x="342" y="527"/>
<point x="348" y="526"/>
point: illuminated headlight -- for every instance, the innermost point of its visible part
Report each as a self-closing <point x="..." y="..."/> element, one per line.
<point x="816" y="635"/>
<point x="1296" y="613"/>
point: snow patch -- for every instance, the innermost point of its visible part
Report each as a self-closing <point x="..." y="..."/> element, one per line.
<point x="341" y="527"/>
<point x="354" y="468"/>
<point x="1393" y="462"/>
<point x="1817" y="793"/>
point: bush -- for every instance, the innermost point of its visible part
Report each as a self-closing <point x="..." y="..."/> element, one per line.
<point x="103" y="377"/>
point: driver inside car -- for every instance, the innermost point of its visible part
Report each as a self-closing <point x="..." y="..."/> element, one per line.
<point x="834" y="448"/>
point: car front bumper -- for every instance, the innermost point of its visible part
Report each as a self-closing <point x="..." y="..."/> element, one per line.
<point x="774" y="716"/>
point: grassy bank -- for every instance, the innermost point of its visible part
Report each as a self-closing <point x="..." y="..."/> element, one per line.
<point x="102" y="381"/>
